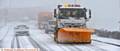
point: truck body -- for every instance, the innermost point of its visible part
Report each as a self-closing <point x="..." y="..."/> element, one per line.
<point x="71" y="24"/>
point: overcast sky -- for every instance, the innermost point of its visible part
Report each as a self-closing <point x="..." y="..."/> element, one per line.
<point x="105" y="13"/>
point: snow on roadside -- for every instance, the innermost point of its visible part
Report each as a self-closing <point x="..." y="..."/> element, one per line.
<point x="109" y="40"/>
<point x="3" y="31"/>
<point x="8" y="36"/>
<point x="103" y="45"/>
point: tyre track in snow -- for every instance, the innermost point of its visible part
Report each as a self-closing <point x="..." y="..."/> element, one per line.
<point x="35" y="44"/>
<point x="43" y="46"/>
<point x="17" y="42"/>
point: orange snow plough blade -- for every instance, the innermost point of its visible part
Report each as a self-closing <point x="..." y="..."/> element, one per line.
<point x="74" y="35"/>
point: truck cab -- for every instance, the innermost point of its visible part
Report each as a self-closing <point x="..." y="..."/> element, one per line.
<point x="71" y="16"/>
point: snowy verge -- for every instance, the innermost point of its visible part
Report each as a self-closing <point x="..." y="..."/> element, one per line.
<point x="107" y="40"/>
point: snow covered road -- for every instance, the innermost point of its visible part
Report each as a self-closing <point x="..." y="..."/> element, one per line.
<point x="47" y="43"/>
<point x="9" y="40"/>
<point x="39" y="39"/>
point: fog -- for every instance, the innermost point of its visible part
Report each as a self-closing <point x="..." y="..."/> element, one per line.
<point x="105" y="13"/>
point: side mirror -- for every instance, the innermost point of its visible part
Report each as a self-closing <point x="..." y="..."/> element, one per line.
<point x="55" y="13"/>
<point x="89" y="13"/>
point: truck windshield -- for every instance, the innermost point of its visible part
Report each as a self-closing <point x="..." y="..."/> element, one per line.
<point x="65" y="13"/>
